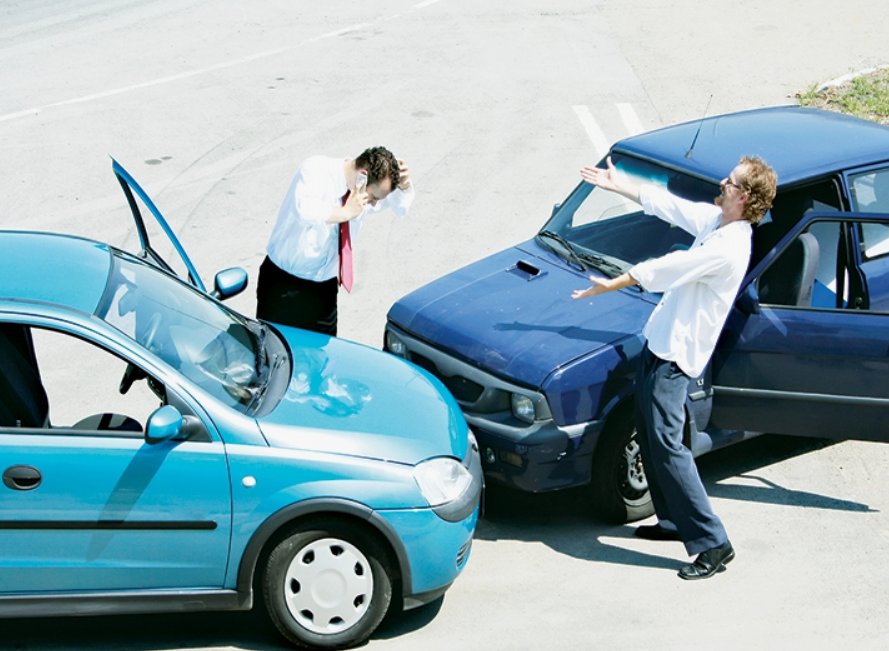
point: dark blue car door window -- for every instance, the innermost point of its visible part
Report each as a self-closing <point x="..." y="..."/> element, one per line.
<point x="869" y="191"/>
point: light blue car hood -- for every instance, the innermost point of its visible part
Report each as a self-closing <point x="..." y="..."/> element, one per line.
<point x="346" y="398"/>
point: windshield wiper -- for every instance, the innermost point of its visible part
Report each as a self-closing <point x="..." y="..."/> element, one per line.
<point x="570" y="253"/>
<point x="257" y="392"/>
<point x="601" y="263"/>
<point x="262" y="355"/>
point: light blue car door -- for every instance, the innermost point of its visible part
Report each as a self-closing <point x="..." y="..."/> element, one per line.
<point x="87" y="504"/>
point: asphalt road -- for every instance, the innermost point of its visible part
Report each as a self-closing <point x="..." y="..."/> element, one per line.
<point x="495" y="106"/>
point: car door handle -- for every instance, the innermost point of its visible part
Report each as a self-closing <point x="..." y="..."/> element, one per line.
<point x="22" y="478"/>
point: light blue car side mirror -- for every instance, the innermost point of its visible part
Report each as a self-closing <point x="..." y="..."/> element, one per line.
<point x="164" y="424"/>
<point x="229" y="282"/>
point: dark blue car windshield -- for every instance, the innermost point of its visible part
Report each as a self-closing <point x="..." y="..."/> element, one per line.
<point x="596" y="223"/>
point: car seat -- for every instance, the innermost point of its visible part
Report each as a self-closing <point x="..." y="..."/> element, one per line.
<point x="790" y="280"/>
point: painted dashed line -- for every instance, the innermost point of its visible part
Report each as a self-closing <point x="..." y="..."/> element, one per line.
<point x="593" y="130"/>
<point x="632" y="125"/>
<point x="630" y="119"/>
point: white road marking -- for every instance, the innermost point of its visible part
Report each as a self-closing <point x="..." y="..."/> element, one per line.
<point x="36" y="110"/>
<point x="595" y="133"/>
<point x="630" y="119"/>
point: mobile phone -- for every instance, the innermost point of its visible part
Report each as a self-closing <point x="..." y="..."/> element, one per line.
<point x="360" y="181"/>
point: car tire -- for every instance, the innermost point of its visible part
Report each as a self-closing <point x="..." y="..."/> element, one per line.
<point x="618" y="485"/>
<point x="327" y="585"/>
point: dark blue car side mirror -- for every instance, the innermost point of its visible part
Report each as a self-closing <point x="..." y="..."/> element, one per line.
<point x="748" y="300"/>
<point x="229" y="282"/>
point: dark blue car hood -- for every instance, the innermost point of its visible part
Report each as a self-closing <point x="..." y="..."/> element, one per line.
<point x="501" y="316"/>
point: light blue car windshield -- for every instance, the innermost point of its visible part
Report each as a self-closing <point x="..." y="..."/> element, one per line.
<point x="210" y="345"/>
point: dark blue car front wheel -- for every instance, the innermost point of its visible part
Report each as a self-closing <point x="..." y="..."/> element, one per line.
<point x="618" y="485"/>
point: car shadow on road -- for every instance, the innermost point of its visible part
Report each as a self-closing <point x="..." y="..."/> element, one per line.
<point x="143" y="633"/>
<point x="565" y="522"/>
<point x="561" y="520"/>
<point x="249" y="631"/>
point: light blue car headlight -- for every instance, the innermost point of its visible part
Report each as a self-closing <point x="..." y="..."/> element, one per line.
<point x="442" y="480"/>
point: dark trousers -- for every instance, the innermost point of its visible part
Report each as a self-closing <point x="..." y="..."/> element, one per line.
<point x="679" y="498"/>
<point x="288" y="300"/>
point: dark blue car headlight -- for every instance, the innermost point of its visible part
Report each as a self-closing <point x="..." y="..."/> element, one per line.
<point x="523" y="407"/>
<point x="395" y="345"/>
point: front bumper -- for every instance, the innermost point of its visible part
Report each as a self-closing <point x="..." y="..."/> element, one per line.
<point x="535" y="457"/>
<point x="437" y="541"/>
<point x="541" y="457"/>
<point x="436" y="550"/>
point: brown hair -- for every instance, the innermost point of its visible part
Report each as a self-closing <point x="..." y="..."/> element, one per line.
<point x="379" y="163"/>
<point x="759" y="182"/>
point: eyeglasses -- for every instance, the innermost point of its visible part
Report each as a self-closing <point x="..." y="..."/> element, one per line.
<point x="728" y="181"/>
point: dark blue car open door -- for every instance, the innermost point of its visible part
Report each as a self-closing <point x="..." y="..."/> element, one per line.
<point x="132" y="190"/>
<point x="806" y="348"/>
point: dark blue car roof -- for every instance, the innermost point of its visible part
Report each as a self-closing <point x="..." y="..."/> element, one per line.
<point x="799" y="143"/>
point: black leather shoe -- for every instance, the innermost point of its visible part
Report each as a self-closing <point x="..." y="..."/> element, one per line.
<point x="708" y="563"/>
<point x="655" y="532"/>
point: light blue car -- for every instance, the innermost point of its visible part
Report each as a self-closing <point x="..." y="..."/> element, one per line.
<point x="163" y="453"/>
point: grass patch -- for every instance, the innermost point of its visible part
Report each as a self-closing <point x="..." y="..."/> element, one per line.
<point x="866" y="96"/>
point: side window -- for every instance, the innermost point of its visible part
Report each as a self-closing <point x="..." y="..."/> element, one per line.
<point x="874" y="241"/>
<point x="82" y="383"/>
<point x="870" y="193"/>
<point x="788" y="208"/>
<point x="806" y="272"/>
<point x="821" y="269"/>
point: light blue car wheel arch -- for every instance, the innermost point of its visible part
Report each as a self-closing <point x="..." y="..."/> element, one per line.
<point x="319" y="507"/>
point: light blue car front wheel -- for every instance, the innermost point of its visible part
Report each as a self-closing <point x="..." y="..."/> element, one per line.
<point x="327" y="585"/>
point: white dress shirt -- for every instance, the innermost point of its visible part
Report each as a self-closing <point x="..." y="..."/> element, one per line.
<point x="699" y="284"/>
<point x="303" y="243"/>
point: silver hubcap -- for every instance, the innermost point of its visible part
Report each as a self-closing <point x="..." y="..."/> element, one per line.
<point x="328" y="586"/>
<point x="635" y="471"/>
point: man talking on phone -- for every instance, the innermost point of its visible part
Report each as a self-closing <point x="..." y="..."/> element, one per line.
<point x="309" y="254"/>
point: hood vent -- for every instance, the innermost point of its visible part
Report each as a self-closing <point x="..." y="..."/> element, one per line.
<point x="526" y="270"/>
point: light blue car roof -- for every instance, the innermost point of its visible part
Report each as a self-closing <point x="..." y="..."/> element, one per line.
<point x="799" y="143"/>
<point x="53" y="268"/>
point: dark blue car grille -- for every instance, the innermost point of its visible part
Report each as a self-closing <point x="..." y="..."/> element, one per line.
<point x="463" y="389"/>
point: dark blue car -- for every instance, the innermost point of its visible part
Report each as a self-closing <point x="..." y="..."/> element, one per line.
<point x="547" y="383"/>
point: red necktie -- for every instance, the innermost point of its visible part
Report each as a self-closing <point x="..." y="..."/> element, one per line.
<point x="345" y="252"/>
